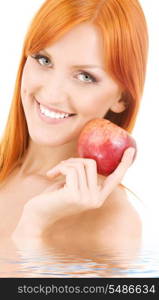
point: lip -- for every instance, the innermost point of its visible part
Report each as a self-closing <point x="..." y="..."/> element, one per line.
<point x="54" y="109"/>
<point x="49" y="120"/>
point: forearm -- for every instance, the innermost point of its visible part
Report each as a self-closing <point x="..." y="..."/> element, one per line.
<point x="31" y="231"/>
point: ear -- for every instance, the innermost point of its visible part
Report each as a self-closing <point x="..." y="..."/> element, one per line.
<point x="119" y="106"/>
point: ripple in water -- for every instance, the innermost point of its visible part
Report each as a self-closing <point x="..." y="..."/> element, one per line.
<point x="52" y="263"/>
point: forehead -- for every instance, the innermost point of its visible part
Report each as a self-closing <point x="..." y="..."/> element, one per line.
<point x="84" y="42"/>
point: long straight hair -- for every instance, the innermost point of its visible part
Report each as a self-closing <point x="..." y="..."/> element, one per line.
<point x="124" y="34"/>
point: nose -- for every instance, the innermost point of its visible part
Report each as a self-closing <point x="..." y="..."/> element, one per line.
<point x="54" y="90"/>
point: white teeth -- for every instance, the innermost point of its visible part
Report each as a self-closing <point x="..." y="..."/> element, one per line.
<point x="52" y="114"/>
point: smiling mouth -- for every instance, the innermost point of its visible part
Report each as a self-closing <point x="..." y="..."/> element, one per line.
<point x="53" y="112"/>
<point x="50" y="116"/>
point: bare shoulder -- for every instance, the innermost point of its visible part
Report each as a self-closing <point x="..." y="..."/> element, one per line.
<point x="120" y="216"/>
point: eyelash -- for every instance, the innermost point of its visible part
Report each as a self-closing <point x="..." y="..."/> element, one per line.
<point x="37" y="57"/>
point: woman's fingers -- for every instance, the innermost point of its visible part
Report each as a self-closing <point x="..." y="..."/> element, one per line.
<point x="90" y="170"/>
<point x="54" y="187"/>
<point x="86" y="170"/>
<point x="81" y="173"/>
<point x="78" y="169"/>
<point x="69" y="172"/>
<point x="115" y="178"/>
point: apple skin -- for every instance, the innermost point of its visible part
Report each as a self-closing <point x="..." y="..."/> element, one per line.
<point x="105" y="142"/>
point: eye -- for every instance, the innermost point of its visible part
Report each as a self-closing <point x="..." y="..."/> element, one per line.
<point x="86" y="77"/>
<point x="42" y="60"/>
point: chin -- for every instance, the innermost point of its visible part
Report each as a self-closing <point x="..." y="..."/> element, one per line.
<point x="47" y="142"/>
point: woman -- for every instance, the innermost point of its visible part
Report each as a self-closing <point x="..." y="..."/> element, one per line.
<point x="81" y="60"/>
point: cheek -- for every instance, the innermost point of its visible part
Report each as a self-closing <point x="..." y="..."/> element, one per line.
<point x="94" y="102"/>
<point x="29" y="81"/>
<point x="97" y="100"/>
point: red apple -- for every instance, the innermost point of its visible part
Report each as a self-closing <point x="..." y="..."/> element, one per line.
<point x="105" y="142"/>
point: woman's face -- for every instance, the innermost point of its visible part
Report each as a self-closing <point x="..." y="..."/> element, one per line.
<point x="68" y="77"/>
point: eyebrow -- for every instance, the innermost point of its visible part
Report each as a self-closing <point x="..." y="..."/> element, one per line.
<point x="77" y="66"/>
<point x="88" y="66"/>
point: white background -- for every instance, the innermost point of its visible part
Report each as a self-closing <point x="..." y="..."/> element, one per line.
<point x="142" y="177"/>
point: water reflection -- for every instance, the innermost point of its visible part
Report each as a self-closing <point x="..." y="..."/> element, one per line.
<point x="52" y="262"/>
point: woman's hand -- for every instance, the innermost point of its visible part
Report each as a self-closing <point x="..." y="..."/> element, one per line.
<point x="80" y="192"/>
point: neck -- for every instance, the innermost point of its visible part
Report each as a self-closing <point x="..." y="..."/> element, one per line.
<point x="39" y="159"/>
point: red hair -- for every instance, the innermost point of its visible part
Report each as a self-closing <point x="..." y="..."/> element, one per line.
<point x="125" y="40"/>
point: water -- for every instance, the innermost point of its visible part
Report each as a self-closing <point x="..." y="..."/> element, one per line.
<point x="53" y="263"/>
<point x="34" y="260"/>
